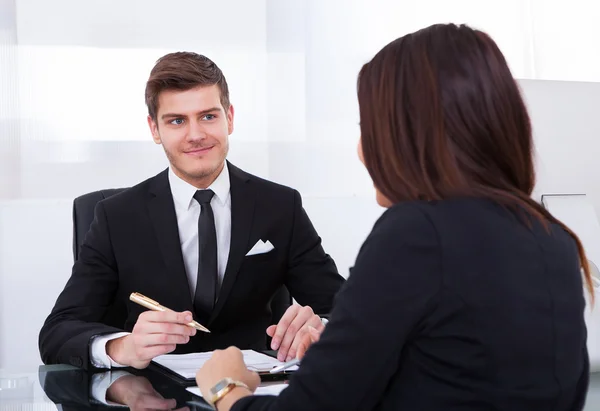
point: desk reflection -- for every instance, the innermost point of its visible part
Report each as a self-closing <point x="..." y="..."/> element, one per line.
<point x="76" y="389"/>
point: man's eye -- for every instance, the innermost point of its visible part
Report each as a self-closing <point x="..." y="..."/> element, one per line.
<point x="208" y="117"/>
<point x="177" y="121"/>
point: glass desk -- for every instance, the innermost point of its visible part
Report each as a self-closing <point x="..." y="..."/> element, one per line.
<point x="66" y="388"/>
<point x="63" y="387"/>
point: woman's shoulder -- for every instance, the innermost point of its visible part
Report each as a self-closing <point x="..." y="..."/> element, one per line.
<point x="405" y="216"/>
<point x="428" y="218"/>
<point x="404" y="223"/>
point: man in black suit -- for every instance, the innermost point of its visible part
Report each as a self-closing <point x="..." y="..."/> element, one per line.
<point x="203" y="238"/>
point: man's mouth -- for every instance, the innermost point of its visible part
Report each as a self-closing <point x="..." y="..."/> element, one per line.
<point x="199" y="150"/>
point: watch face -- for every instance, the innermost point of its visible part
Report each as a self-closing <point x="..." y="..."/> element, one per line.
<point x="220" y="385"/>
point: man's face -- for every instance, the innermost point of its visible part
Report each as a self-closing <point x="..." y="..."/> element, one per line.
<point x="193" y="128"/>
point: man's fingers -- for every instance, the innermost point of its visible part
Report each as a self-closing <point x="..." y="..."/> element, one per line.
<point x="162" y="339"/>
<point x="271" y="330"/>
<point x="166" y="317"/>
<point x="313" y="321"/>
<point x="163" y="328"/>
<point x="318" y="325"/>
<point x="307" y="338"/>
<point x="314" y="334"/>
<point x="305" y="342"/>
<point x="144" y="355"/>
<point x="283" y="325"/>
<point x="303" y="316"/>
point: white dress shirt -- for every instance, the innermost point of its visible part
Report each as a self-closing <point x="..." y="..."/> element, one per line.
<point x="187" y="210"/>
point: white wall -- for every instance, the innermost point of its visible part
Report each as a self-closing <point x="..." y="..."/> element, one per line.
<point x="35" y="262"/>
<point x="566" y="129"/>
<point x="72" y="116"/>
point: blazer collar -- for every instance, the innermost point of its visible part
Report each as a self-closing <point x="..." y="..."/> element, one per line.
<point x="161" y="210"/>
<point x="242" y="215"/>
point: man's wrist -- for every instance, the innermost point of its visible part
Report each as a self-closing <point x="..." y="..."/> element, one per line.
<point x="114" y="350"/>
<point x="104" y="386"/>
<point x="118" y="393"/>
<point x="97" y="350"/>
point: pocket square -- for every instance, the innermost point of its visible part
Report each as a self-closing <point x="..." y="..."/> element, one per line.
<point x="260" y="247"/>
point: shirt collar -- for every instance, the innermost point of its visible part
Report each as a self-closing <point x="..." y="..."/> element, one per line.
<point x="183" y="192"/>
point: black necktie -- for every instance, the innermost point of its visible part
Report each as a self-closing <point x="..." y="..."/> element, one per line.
<point x="206" y="285"/>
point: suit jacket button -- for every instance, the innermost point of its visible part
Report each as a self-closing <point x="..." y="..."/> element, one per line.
<point x="76" y="361"/>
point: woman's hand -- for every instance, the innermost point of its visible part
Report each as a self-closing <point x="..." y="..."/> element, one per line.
<point x="222" y="364"/>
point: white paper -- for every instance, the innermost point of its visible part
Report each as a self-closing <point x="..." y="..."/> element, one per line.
<point x="271" y="389"/>
<point x="187" y="365"/>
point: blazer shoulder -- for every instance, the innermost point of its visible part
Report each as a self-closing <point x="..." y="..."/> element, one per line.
<point x="132" y="196"/>
<point x="260" y="183"/>
<point x="272" y="187"/>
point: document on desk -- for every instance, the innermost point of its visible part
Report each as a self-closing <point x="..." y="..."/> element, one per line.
<point x="187" y="365"/>
<point x="271" y="389"/>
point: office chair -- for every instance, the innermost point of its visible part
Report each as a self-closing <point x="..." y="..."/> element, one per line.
<point x="83" y="215"/>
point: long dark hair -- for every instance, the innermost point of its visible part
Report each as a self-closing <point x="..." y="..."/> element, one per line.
<point x="441" y="115"/>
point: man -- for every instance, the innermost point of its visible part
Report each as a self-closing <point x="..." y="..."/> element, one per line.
<point x="202" y="238"/>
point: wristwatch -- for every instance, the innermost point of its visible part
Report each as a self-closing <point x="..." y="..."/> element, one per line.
<point x="222" y="388"/>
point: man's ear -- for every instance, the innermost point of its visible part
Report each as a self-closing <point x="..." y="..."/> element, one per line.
<point x="154" y="130"/>
<point x="230" y="113"/>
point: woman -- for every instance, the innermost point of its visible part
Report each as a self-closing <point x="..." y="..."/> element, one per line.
<point x="467" y="295"/>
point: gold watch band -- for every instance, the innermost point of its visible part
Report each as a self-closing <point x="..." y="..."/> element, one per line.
<point x="228" y="384"/>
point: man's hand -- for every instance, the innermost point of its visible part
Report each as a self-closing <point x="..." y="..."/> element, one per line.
<point x="286" y="335"/>
<point x="155" y="333"/>
<point x="139" y="395"/>
<point x="308" y="337"/>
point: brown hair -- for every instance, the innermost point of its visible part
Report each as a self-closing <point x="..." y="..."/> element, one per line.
<point x="441" y="115"/>
<point x="183" y="71"/>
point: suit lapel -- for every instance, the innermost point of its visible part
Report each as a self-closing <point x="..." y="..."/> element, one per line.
<point x="164" y="221"/>
<point x="242" y="213"/>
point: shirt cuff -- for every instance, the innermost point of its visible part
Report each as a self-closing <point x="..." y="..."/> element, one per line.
<point x="101" y="383"/>
<point x="98" y="356"/>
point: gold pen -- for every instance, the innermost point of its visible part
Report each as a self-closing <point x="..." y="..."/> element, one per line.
<point x="153" y="305"/>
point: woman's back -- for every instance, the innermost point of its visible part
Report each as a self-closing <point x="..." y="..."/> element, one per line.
<point x="451" y="305"/>
<point x="506" y="330"/>
<point x="454" y="303"/>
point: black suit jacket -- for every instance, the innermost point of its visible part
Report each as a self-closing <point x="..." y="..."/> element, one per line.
<point x="133" y="246"/>
<point x="451" y="305"/>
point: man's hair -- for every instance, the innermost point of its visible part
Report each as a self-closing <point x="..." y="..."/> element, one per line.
<point x="183" y="71"/>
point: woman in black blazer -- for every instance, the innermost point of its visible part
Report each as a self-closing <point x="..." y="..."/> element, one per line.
<point x="467" y="294"/>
